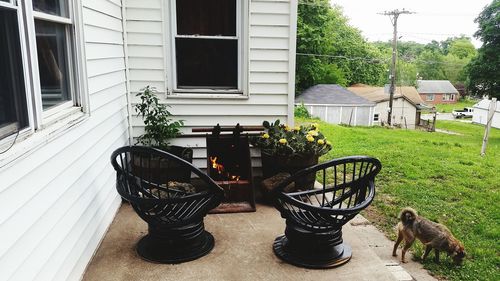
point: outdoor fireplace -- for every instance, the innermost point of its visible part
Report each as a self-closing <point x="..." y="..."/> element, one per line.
<point x="229" y="165"/>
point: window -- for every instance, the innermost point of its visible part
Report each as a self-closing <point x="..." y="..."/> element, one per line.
<point x="42" y="31"/>
<point x="206" y="46"/>
<point x="376" y="117"/>
<point x="430" y="97"/>
<point x="448" y="97"/>
<point x="13" y="109"/>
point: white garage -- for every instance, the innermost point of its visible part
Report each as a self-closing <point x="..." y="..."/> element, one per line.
<point x="337" y="105"/>
<point x="480" y="115"/>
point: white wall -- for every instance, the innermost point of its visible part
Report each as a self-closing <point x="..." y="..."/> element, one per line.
<point x="401" y="109"/>
<point x="480" y="115"/>
<point x="271" y="73"/>
<point x="57" y="202"/>
<point x="355" y="115"/>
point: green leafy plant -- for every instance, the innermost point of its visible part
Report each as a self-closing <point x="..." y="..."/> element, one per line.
<point x="159" y="126"/>
<point x="300" y="141"/>
<point x="300" y="111"/>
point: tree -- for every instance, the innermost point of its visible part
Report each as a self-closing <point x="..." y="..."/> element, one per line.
<point x="430" y="65"/>
<point x="484" y="70"/>
<point x="330" y="51"/>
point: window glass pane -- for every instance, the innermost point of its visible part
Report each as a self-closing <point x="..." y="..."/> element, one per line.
<point x="52" y="62"/>
<point x="13" y="109"/>
<point x="207" y="63"/>
<point x="53" y="7"/>
<point x="206" y="17"/>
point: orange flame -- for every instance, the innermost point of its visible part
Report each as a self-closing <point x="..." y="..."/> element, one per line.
<point x="220" y="169"/>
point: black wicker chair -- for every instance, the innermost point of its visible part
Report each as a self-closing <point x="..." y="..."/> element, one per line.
<point x="314" y="218"/>
<point x="154" y="182"/>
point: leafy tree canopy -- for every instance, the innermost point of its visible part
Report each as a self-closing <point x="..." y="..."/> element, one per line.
<point x="484" y="70"/>
<point x="330" y="51"/>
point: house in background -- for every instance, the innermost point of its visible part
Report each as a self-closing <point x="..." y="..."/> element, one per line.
<point x="337" y="105"/>
<point x="69" y="73"/>
<point x="437" y="91"/>
<point x="480" y="114"/>
<point x="406" y="104"/>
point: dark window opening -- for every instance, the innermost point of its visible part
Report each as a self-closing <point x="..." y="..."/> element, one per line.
<point x="13" y="108"/>
<point x="206" y="17"/>
<point x="207" y="63"/>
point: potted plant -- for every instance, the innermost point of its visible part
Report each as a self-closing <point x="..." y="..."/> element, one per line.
<point x="160" y="128"/>
<point x="286" y="149"/>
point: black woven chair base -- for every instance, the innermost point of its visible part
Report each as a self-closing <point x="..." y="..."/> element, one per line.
<point x="338" y="255"/>
<point x="159" y="251"/>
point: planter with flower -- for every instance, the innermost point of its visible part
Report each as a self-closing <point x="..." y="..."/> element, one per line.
<point x="286" y="149"/>
<point x="159" y="129"/>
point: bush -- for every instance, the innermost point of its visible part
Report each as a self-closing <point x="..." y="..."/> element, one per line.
<point x="301" y="111"/>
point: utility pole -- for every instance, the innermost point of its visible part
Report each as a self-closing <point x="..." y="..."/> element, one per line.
<point x="394" y="15"/>
<point x="491" y="113"/>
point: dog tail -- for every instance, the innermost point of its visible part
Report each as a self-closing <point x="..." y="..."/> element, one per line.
<point x="408" y="216"/>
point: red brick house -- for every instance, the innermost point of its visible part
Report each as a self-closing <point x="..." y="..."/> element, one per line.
<point x="437" y="91"/>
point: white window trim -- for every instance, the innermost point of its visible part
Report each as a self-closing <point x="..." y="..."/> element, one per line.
<point x="59" y="119"/>
<point x="242" y="17"/>
<point x="378" y="117"/>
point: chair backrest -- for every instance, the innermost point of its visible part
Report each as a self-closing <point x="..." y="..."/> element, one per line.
<point x="346" y="185"/>
<point x="149" y="174"/>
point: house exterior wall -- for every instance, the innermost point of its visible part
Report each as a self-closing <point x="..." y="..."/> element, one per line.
<point x="57" y="199"/>
<point x="438" y="99"/>
<point x="401" y="109"/>
<point x="271" y="70"/>
<point x="480" y="114"/>
<point x="354" y="115"/>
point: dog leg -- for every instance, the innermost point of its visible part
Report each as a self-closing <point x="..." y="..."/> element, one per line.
<point x="405" y="249"/>
<point x="398" y="241"/>
<point x="436" y="257"/>
<point x="428" y="249"/>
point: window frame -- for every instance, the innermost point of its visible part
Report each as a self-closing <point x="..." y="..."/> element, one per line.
<point x="242" y="56"/>
<point x="9" y="138"/>
<point x="376" y="117"/>
<point x="429" y="97"/>
<point x="78" y="105"/>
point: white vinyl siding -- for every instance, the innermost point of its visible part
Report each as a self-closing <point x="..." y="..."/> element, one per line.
<point x="57" y="201"/>
<point x="271" y="39"/>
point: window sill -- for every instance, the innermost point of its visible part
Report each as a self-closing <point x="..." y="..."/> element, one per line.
<point x="28" y="141"/>
<point x="207" y="95"/>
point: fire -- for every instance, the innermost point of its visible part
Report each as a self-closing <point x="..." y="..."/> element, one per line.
<point x="221" y="170"/>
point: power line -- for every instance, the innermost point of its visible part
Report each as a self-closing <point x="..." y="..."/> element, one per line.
<point x="342" y="57"/>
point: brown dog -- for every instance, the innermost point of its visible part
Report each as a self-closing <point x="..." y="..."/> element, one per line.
<point x="431" y="234"/>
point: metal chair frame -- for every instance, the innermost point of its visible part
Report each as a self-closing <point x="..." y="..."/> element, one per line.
<point x="314" y="218"/>
<point x="176" y="230"/>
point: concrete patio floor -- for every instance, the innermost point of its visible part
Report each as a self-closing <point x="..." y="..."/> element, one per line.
<point x="243" y="251"/>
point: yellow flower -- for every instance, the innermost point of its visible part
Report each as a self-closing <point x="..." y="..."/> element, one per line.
<point x="297" y="128"/>
<point x="310" y="138"/>
<point x="287" y="128"/>
<point x="282" y="141"/>
<point x="265" y="136"/>
<point x="328" y="143"/>
<point x="321" y="142"/>
<point x="313" y="133"/>
<point x="315" y="126"/>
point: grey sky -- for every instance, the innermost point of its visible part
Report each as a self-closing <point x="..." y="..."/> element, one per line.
<point x="434" y="19"/>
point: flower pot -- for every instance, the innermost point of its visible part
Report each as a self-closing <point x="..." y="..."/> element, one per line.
<point x="274" y="164"/>
<point x="163" y="170"/>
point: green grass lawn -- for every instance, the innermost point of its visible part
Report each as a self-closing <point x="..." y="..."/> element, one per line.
<point x="448" y="108"/>
<point x="443" y="177"/>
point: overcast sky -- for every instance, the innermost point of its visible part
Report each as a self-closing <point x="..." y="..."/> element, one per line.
<point x="433" y="19"/>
